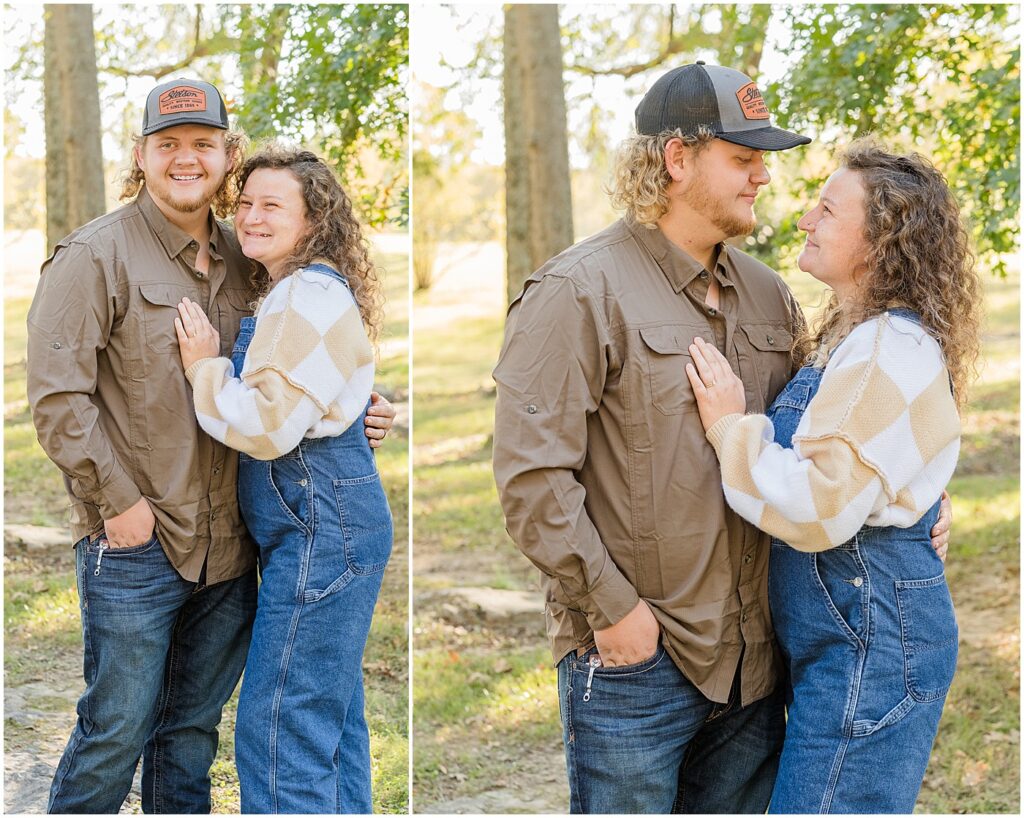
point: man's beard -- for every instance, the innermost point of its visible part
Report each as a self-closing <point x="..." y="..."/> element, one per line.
<point x="697" y="195"/>
<point x="192" y="205"/>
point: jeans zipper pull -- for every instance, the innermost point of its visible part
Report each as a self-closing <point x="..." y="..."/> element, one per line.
<point x="595" y="663"/>
<point x="102" y="547"/>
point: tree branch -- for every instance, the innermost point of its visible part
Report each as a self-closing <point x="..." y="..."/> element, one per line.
<point x="218" y="43"/>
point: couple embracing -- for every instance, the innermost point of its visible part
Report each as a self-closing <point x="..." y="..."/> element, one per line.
<point x="196" y="440"/>
<point x="737" y="518"/>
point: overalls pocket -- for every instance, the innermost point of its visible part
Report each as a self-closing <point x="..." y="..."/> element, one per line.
<point x="291" y="485"/>
<point x="843" y="578"/>
<point x="365" y="523"/>
<point x="929" y="630"/>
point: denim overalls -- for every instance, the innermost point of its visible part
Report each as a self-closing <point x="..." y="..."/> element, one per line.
<point x="869" y="638"/>
<point x="321" y="520"/>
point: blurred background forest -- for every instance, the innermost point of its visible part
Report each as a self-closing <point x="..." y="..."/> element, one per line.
<point x="516" y="115"/>
<point x="330" y="77"/>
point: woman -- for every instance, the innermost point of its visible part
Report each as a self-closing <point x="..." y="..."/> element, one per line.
<point x="845" y="472"/>
<point x="308" y="486"/>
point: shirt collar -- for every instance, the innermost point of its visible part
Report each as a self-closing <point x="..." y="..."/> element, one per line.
<point x="679" y="267"/>
<point x="172" y="237"/>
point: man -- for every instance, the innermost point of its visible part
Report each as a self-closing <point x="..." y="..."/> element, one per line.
<point x="165" y="567"/>
<point x="657" y="607"/>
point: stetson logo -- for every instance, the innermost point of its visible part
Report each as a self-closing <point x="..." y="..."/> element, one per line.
<point x="751" y="102"/>
<point x="182" y="98"/>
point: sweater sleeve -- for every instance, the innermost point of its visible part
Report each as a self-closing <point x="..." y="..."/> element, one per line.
<point x="309" y="359"/>
<point x="877" y="443"/>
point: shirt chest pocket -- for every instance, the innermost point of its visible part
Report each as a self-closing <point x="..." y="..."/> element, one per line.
<point x="158" y="307"/>
<point x="663" y="356"/>
<point x="771" y="350"/>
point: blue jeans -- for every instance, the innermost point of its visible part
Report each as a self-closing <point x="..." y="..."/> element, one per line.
<point x="642" y="739"/>
<point x="321" y="519"/>
<point x="162" y="656"/>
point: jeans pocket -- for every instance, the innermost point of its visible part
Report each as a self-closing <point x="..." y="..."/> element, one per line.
<point x="365" y="523"/>
<point x="930" y="636"/>
<point x="636" y="667"/>
<point x="109" y="551"/>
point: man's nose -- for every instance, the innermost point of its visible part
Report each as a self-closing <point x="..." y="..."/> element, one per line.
<point x="760" y="174"/>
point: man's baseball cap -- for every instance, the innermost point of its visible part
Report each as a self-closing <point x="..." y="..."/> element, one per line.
<point x="184" y="102"/>
<point x="723" y="99"/>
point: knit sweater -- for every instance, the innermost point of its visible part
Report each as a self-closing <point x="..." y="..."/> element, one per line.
<point x="876" y="445"/>
<point x="308" y="371"/>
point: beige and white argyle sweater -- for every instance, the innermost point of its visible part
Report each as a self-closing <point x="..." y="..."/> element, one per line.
<point x="308" y="371"/>
<point x="877" y="444"/>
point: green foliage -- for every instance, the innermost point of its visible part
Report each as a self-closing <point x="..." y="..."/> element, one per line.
<point x="942" y="80"/>
<point x="332" y="77"/>
<point x="338" y="71"/>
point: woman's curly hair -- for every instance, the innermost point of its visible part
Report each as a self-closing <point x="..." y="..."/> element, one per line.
<point x="225" y="200"/>
<point x="919" y="256"/>
<point x="334" y="233"/>
<point x="640" y="179"/>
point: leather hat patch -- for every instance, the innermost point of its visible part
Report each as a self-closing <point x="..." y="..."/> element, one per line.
<point x="182" y="98"/>
<point x="751" y="102"/>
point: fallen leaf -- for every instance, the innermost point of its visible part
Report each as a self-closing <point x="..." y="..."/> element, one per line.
<point x="974" y="773"/>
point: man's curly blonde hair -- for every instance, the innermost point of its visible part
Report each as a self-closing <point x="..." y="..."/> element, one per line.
<point x="640" y="179"/>
<point x="225" y="201"/>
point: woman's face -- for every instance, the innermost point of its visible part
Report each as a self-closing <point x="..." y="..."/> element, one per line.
<point x="836" y="250"/>
<point x="271" y="217"/>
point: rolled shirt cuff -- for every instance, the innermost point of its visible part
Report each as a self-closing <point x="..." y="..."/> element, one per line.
<point x="112" y="498"/>
<point x="609" y="601"/>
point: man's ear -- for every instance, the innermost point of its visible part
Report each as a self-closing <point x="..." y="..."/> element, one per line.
<point x="677" y="157"/>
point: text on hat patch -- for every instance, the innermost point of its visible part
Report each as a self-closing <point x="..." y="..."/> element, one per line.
<point x="183" y="98"/>
<point x="751" y="102"/>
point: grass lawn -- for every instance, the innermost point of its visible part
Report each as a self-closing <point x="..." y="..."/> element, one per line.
<point x="41" y="620"/>
<point x="485" y="700"/>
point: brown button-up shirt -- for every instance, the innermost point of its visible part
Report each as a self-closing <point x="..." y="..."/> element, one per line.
<point x="607" y="481"/>
<point x="108" y="394"/>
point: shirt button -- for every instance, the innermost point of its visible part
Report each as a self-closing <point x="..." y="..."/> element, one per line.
<point x="857" y="582"/>
<point x="703" y="275"/>
<point x="531" y="409"/>
<point x="56" y="345"/>
<point x="743" y="617"/>
<point x="712" y="311"/>
<point x="747" y="558"/>
<point x="771" y="340"/>
<point x="213" y="515"/>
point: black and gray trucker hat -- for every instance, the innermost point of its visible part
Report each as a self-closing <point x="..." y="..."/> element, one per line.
<point x="183" y="102"/>
<point x="723" y="99"/>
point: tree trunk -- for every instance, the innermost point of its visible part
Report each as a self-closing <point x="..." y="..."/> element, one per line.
<point x="538" y="199"/>
<point x="71" y="101"/>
